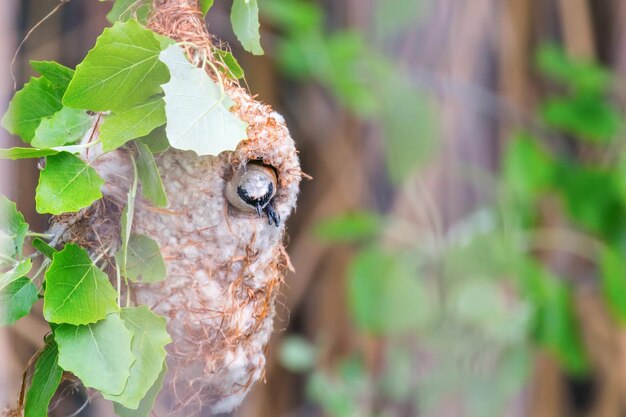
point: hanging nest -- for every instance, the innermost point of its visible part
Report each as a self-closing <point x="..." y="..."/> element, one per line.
<point x="224" y="266"/>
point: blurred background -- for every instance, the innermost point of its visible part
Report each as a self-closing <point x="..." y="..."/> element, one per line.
<point x="460" y="249"/>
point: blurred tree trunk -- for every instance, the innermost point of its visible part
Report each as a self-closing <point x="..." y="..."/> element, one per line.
<point x="11" y="371"/>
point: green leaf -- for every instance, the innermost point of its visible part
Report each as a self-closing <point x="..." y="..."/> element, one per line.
<point x="148" y="347"/>
<point x="244" y="16"/>
<point x="144" y="261"/>
<point x="77" y="292"/>
<point x="18" y="270"/>
<point x="65" y="126"/>
<point x="99" y="353"/>
<point x="25" y="153"/>
<point x="235" y="70"/>
<point x="528" y="169"/>
<point x="338" y="392"/>
<point x="481" y="305"/>
<point x="613" y="280"/>
<point x="294" y="16"/>
<point x="44" y="248"/>
<point x="349" y="227"/>
<point x="297" y="354"/>
<point x="292" y="56"/>
<point x="347" y="73"/>
<point x="581" y="74"/>
<point x="119" y="128"/>
<point x="17" y="293"/>
<point x="205" y="5"/>
<point x="197" y="109"/>
<point x="128" y="213"/>
<point x="36" y="100"/>
<point x="151" y="184"/>
<point x="590" y="118"/>
<point x="45" y="381"/>
<point x="556" y="326"/>
<point x="13" y="229"/>
<point x="477" y="252"/>
<point x="67" y="184"/>
<point x="384" y="296"/>
<point x="121" y="71"/>
<point x="59" y="75"/>
<point x="16" y="300"/>
<point x="124" y="10"/>
<point x="592" y="197"/>
<point x="146" y="404"/>
<point x="156" y="140"/>
<point x="39" y="98"/>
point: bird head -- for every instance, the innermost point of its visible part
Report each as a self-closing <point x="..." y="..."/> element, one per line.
<point x="252" y="188"/>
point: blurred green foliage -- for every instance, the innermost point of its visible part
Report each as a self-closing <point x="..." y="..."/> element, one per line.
<point x="361" y="77"/>
<point x="297" y="354"/>
<point x="554" y="323"/>
<point x="613" y="275"/>
<point x="384" y="295"/>
<point x="589" y="188"/>
<point x="583" y="110"/>
<point x="577" y="75"/>
<point x="479" y="299"/>
<point x="349" y="227"/>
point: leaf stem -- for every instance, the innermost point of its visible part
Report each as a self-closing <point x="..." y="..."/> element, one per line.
<point x="186" y="43"/>
<point x="119" y="285"/>
<point x="6" y="258"/>
<point x="44" y="264"/>
<point x="75" y="148"/>
<point x="41" y="235"/>
<point x="219" y="78"/>
<point x="100" y="255"/>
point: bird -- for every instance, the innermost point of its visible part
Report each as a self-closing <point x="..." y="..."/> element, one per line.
<point x="252" y="188"/>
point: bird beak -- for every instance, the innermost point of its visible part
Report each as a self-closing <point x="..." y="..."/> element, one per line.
<point x="259" y="209"/>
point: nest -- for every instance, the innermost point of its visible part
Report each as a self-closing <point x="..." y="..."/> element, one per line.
<point x="224" y="266"/>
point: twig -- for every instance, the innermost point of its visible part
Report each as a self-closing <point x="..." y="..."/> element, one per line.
<point x="19" y="47"/>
